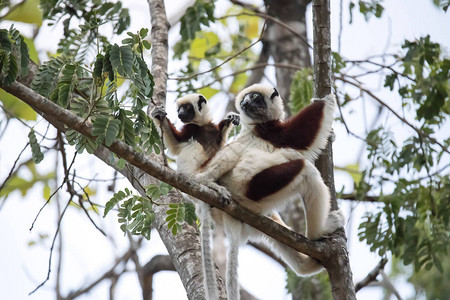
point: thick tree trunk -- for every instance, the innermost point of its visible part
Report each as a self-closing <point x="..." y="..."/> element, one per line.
<point x="284" y="45"/>
<point x="337" y="265"/>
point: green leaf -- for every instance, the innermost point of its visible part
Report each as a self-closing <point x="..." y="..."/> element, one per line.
<point x="38" y="156"/>
<point x="122" y="59"/>
<point x="127" y="128"/>
<point x="190" y="217"/>
<point x="203" y="42"/>
<point x="5" y="42"/>
<point x="8" y="67"/>
<point x="17" y="107"/>
<point x="121" y="163"/>
<point x="301" y="90"/>
<point x="202" y="12"/>
<point x="106" y="128"/>
<point x="26" y="12"/>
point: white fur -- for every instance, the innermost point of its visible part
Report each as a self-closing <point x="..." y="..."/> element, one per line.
<point x="201" y="117"/>
<point x="190" y="156"/>
<point x="235" y="164"/>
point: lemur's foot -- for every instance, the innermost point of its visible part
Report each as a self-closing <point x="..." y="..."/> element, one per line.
<point x="336" y="219"/>
<point x="225" y="196"/>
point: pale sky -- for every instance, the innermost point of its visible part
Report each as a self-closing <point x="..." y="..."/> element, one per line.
<point x="88" y="254"/>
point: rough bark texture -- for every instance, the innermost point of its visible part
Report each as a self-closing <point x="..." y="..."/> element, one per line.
<point x="160" y="49"/>
<point x="185" y="249"/>
<point x="284" y="45"/>
<point x="338" y="266"/>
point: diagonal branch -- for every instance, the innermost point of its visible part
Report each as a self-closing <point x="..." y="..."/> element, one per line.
<point x="318" y="249"/>
<point x="372" y="276"/>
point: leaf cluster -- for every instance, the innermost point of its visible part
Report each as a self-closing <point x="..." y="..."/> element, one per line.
<point x="413" y="224"/>
<point x="430" y="88"/>
<point x="179" y="213"/>
<point x="14" y="56"/>
<point x="367" y="8"/>
<point x="135" y="213"/>
<point x="301" y="90"/>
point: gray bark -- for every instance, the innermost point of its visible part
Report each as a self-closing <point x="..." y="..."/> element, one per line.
<point x="337" y="266"/>
<point x="284" y="45"/>
<point x="185" y="249"/>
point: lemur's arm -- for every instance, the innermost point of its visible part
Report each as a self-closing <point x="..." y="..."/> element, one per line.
<point x="171" y="135"/>
<point x="224" y="125"/>
<point x="307" y="131"/>
<point x="221" y="163"/>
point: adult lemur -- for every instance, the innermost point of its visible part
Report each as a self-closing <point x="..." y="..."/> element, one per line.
<point x="270" y="163"/>
<point x="194" y="144"/>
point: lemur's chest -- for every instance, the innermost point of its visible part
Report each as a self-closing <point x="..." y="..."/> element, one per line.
<point x="204" y="143"/>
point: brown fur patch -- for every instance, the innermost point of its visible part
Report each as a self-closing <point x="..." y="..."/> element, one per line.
<point x="297" y="132"/>
<point x="273" y="179"/>
<point x="209" y="136"/>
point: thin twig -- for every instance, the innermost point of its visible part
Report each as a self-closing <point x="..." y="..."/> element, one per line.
<point x="254" y="67"/>
<point x="80" y="201"/>
<point x="124" y="258"/>
<point x="49" y="198"/>
<point x="226" y="60"/>
<point x="417" y="130"/>
<point x="372" y="276"/>
<point x="11" y="172"/>
<point x="51" y="249"/>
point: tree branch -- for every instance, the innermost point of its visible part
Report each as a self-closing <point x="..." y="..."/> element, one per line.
<point x="381" y="102"/>
<point x="108" y="274"/>
<point x="372" y="276"/>
<point x="319" y="249"/>
<point x="156" y="264"/>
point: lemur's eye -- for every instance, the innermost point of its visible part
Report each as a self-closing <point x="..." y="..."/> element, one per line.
<point x="254" y="96"/>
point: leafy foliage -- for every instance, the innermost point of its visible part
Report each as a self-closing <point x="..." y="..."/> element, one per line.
<point x="106" y="129"/>
<point x="23" y="185"/>
<point x="301" y="90"/>
<point x="431" y="89"/>
<point x="38" y="156"/>
<point x="14" y="55"/>
<point x="94" y="11"/>
<point x="202" y="12"/>
<point x="80" y="142"/>
<point x="308" y="288"/>
<point x="135" y="213"/>
<point x="179" y="213"/>
<point x="413" y="224"/>
<point x="367" y="8"/>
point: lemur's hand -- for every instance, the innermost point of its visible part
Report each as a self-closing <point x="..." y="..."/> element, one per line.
<point x="232" y="117"/>
<point x="159" y="113"/>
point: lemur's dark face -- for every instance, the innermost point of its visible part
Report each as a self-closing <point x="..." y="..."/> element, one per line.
<point x="254" y="105"/>
<point x="186" y="112"/>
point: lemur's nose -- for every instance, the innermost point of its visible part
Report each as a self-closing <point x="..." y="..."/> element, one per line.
<point x="245" y="103"/>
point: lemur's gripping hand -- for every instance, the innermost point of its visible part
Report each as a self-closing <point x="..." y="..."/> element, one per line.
<point x="159" y="113"/>
<point x="225" y="196"/>
<point x="329" y="99"/>
<point x="232" y="117"/>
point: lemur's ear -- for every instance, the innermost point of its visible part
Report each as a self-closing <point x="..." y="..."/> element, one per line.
<point x="201" y="100"/>
<point x="274" y="94"/>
